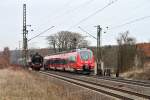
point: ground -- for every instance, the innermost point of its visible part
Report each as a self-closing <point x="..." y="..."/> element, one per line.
<point x="19" y="84"/>
<point x="139" y="73"/>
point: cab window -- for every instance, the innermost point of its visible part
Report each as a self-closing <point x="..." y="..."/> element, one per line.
<point x="85" y="55"/>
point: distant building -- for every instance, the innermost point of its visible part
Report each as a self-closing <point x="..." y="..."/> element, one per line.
<point x="145" y="48"/>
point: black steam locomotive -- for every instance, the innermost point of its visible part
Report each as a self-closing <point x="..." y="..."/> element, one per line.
<point x="36" y="62"/>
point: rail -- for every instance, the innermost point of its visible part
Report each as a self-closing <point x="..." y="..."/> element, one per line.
<point x="108" y="90"/>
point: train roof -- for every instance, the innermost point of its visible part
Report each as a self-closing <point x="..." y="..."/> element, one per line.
<point x="74" y="50"/>
<point x="64" y="54"/>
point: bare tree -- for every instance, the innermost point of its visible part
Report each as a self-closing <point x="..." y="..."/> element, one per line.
<point x="65" y="40"/>
<point x="52" y="42"/>
<point x="126" y="51"/>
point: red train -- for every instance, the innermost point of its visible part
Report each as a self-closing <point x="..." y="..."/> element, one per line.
<point x="77" y="60"/>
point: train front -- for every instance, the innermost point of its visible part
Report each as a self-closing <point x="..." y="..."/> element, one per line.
<point x="86" y="60"/>
<point x="36" y="62"/>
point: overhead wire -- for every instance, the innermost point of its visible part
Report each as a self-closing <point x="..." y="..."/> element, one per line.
<point x="58" y="10"/>
<point x="130" y="22"/>
<point x="87" y="2"/>
<point x="91" y="15"/>
<point x="79" y="6"/>
<point x="67" y="3"/>
<point x="134" y="11"/>
<point x="87" y="33"/>
<point x="70" y="10"/>
<point x="41" y="33"/>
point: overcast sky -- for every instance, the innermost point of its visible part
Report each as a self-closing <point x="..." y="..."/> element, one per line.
<point x="66" y="15"/>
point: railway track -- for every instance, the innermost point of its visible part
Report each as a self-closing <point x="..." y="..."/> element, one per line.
<point x="128" y="81"/>
<point x="119" y="80"/>
<point x="105" y="89"/>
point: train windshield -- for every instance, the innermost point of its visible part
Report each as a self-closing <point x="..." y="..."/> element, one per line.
<point x="85" y="55"/>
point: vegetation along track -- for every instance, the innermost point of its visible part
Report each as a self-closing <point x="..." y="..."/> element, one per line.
<point x="108" y="90"/>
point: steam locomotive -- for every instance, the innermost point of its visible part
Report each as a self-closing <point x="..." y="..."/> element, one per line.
<point x="36" y="62"/>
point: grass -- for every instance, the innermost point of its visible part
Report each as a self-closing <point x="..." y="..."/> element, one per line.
<point x="18" y="84"/>
<point x="3" y="62"/>
<point x="139" y="73"/>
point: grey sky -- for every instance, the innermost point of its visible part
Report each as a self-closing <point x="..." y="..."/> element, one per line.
<point x="63" y="14"/>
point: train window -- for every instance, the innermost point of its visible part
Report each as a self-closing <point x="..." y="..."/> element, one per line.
<point x="85" y="55"/>
<point x="63" y="61"/>
<point x="72" y="59"/>
<point x="56" y="61"/>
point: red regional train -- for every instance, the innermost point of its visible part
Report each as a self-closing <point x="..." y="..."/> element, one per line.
<point x="80" y="60"/>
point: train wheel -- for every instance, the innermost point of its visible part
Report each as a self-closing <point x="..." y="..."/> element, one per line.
<point x="38" y="69"/>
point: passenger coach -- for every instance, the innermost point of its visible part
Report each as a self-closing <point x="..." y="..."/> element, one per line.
<point x="76" y="60"/>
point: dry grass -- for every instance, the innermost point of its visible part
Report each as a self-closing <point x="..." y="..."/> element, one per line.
<point x="18" y="84"/>
<point x="3" y="62"/>
<point x="141" y="73"/>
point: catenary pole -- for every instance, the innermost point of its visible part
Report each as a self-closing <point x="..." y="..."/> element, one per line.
<point x="98" y="51"/>
<point x="25" y="32"/>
